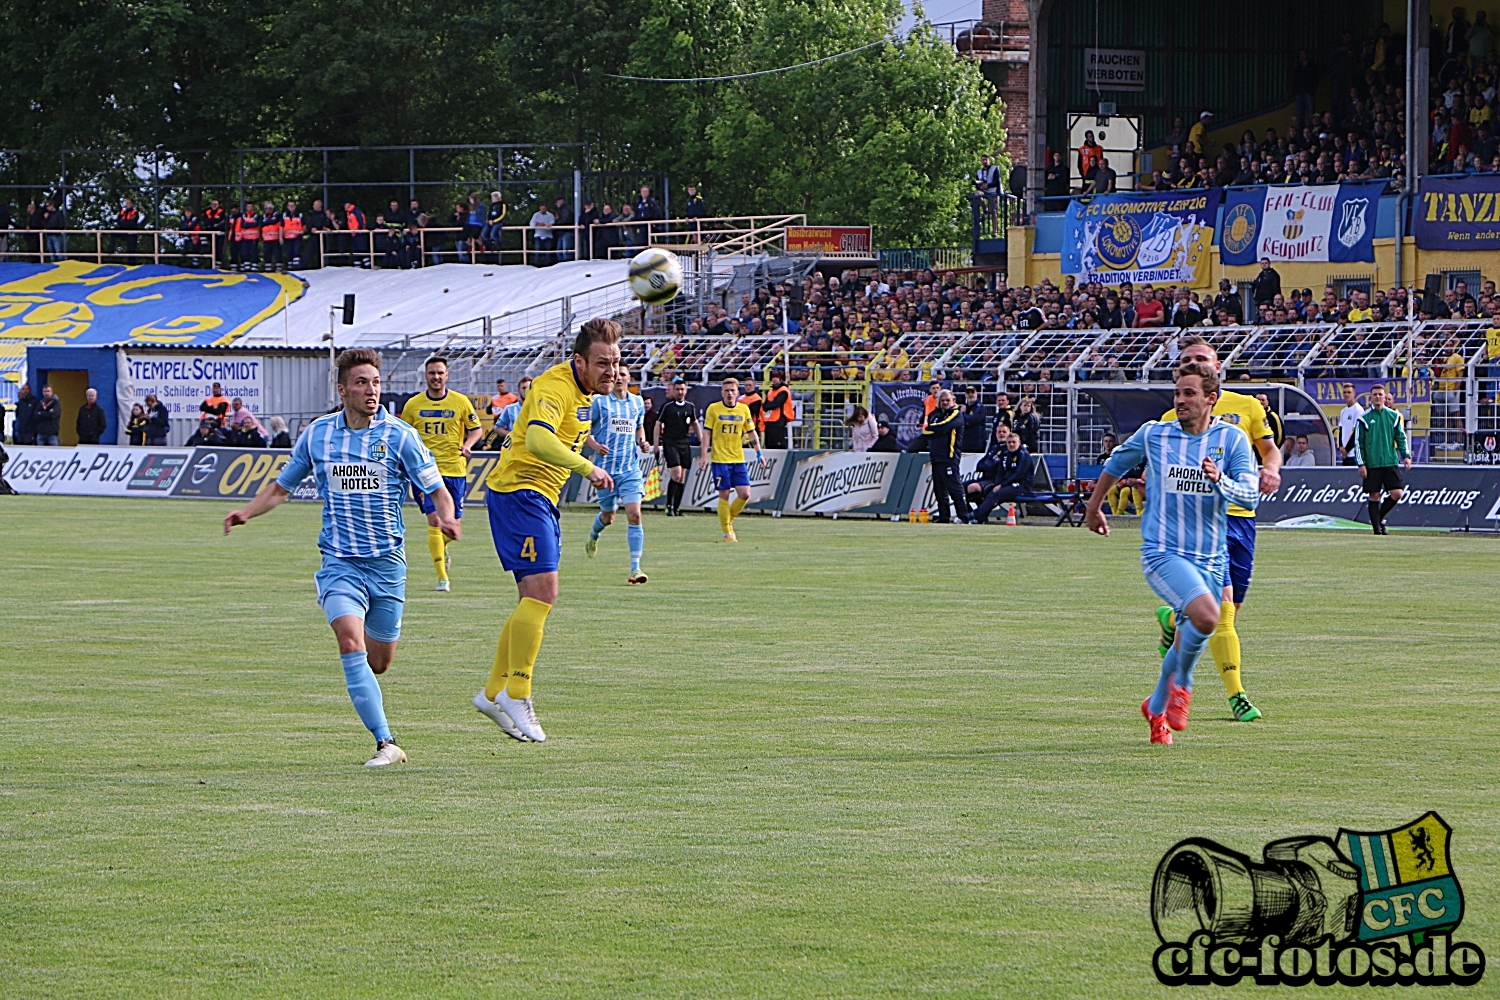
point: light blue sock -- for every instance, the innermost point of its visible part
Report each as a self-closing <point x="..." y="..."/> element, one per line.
<point x="598" y="527"/>
<point x="1178" y="664"/>
<point x="364" y="691"/>
<point x="636" y="535"/>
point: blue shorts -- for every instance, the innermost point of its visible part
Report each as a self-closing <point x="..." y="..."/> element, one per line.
<point x="728" y="475"/>
<point x="372" y="589"/>
<point x="524" y="526"/>
<point x="457" y="487"/>
<point x="1180" y="581"/>
<point x="1241" y="556"/>
<point x="629" y="488"/>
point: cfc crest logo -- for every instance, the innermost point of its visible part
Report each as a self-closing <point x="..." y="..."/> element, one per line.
<point x="1369" y="908"/>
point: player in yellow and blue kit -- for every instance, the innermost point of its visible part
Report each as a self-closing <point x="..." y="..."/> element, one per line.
<point x="726" y="424"/>
<point x="1195" y="467"/>
<point x="449" y="427"/>
<point x="618" y="438"/>
<point x="1246" y="413"/>
<point x="361" y="458"/>
<point x="524" y="488"/>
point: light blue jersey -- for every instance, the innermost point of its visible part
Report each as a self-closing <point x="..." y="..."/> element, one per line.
<point x="1186" y="515"/>
<point x="361" y="476"/>
<point x="509" y="416"/>
<point x="615" y="422"/>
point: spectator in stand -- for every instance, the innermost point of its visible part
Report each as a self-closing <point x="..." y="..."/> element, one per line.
<point x="91" y="422"/>
<point x="885" y="440"/>
<point x="1055" y="182"/>
<point x="270" y="237"/>
<point x="215" y="406"/>
<point x="1267" y="284"/>
<point x="158" y="421"/>
<point x="208" y="433"/>
<point x="245" y="423"/>
<point x="1229" y="300"/>
<point x="564" y="229"/>
<point x="646" y="210"/>
<point x="245" y="233"/>
<point x="135" y="428"/>
<point x="987" y="186"/>
<point x="127" y="221"/>
<point x="215" y="221"/>
<point x="319" y="222"/>
<point x="502" y="398"/>
<point x="541" y="224"/>
<point x="280" y="436"/>
<point x="1301" y="456"/>
<point x="863" y="430"/>
<point x="36" y="221"/>
<point x="1089" y="155"/>
<point x="1102" y="180"/>
<point x="23" y="431"/>
<point x="588" y="234"/>
<point x="56" y="220"/>
<point x="494" y="223"/>
<point x="190" y="238"/>
<point x="1150" y="311"/>
<point x="474" y="222"/>
<point x="696" y="208"/>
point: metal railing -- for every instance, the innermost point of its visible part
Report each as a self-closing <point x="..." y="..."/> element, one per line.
<point x="196" y="248"/>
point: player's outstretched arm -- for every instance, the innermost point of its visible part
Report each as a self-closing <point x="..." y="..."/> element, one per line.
<point x="271" y="496"/>
<point x="1093" y="516"/>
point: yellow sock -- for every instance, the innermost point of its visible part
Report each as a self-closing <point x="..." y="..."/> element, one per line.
<point x="735" y="506"/>
<point x="525" y="626"/>
<point x="1224" y="644"/>
<point x="501" y="670"/>
<point x="724" y="516"/>
<point x="435" y="546"/>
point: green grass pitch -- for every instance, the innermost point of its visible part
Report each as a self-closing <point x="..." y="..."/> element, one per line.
<point x="841" y="759"/>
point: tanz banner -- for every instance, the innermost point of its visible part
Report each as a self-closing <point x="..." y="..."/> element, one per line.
<point x="1458" y="213"/>
<point x="1318" y="222"/>
<point x="1435" y="497"/>
<point x="1141" y="238"/>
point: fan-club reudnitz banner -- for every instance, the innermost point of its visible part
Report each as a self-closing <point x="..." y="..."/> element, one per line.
<point x="1317" y="222"/>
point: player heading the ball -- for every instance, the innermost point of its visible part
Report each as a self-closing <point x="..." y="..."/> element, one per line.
<point x="361" y="458"/>
<point x="524" y="488"/>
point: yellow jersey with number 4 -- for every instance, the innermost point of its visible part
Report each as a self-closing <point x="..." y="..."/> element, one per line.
<point x="1246" y="413"/>
<point x="443" y="424"/>
<point x="728" y="425"/>
<point x="558" y="402"/>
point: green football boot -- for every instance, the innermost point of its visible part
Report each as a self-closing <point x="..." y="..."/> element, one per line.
<point x="1168" y="626"/>
<point x="1242" y="709"/>
<point x="591" y="546"/>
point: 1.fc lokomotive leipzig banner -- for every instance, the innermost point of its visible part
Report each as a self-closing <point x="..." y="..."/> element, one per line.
<point x="1458" y="213"/>
<point x="1318" y="222"/>
<point x="1141" y="238"/>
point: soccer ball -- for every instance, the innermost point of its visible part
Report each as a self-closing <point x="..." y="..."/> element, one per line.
<point x="655" y="276"/>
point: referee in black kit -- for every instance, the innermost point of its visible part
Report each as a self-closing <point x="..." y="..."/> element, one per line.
<point x="675" y="431"/>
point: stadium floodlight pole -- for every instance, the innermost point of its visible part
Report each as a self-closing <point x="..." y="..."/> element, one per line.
<point x="333" y="358"/>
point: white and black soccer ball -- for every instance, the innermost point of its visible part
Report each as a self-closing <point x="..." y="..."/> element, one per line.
<point x="655" y="276"/>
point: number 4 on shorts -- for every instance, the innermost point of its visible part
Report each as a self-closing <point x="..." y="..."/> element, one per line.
<point x="528" y="548"/>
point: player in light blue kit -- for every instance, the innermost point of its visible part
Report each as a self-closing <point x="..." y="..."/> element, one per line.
<point x="618" y="436"/>
<point x="362" y="458"/>
<point x="1194" y="469"/>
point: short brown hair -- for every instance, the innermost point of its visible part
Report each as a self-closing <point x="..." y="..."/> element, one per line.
<point x="1193" y="340"/>
<point x="353" y="358"/>
<point x="596" y="331"/>
<point x="1204" y="371"/>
